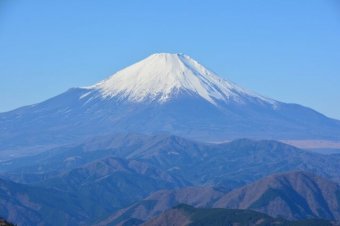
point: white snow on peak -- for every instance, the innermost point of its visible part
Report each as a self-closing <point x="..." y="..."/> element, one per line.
<point x="162" y="75"/>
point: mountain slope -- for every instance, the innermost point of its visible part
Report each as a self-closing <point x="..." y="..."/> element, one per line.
<point x="82" y="195"/>
<point x="99" y="184"/>
<point x="296" y="195"/>
<point x="226" y="165"/>
<point x="159" y="201"/>
<point x="163" y="93"/>
<point x="162" y="76"/>
<point x="112" y="183"/>
<point x="28" y="205"/>
<point x="184" y="215"/>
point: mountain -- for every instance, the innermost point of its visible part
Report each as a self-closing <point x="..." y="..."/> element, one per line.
<point x="160" y="201"/>
<point x="139" y="176"/>
<point x="184" y="215"/>
<point x="170" y="93"/>
<point x="109" y="179"/>
<point x="28" y="205"/>
<point x="296" y="195"/>
<point x="293" y="195"/>
<point x="113" y="183"/>
<point x="82" y="195"/>
<point x="226" y="165"/>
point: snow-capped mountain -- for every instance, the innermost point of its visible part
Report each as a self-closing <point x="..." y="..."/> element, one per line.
<point x="162" y="76"/>
<point x="169" y="93"/>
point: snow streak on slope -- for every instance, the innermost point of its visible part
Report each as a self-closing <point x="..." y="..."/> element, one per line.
<point x="161" y="76"/>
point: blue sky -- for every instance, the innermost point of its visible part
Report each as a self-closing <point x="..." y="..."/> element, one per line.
<point x="288" y="50"/>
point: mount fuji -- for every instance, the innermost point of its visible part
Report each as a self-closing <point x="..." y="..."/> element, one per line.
<point x="164" y="93"/>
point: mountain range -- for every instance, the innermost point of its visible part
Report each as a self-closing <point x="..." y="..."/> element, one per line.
<point x="184" y="215"/>
<point x="138" y="176"/>
<point x="227" y="164"/>
<point x="294" y="196"/>
<point x="164" y="93"/>
<point x="166" y="141"/>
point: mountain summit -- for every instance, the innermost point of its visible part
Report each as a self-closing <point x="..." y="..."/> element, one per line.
<point x="164" y="93"/>
<point x="162" y="76"/>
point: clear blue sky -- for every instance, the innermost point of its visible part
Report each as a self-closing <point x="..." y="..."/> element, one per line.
<point x="288" y="50"/>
